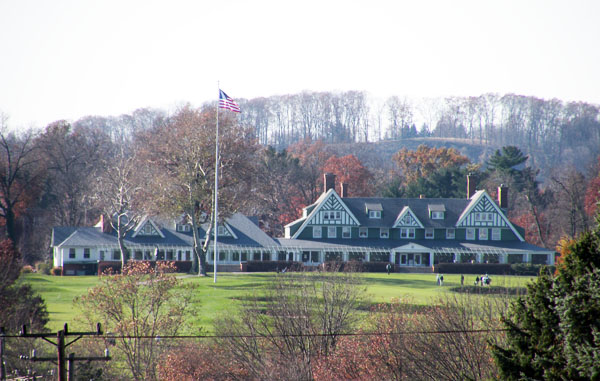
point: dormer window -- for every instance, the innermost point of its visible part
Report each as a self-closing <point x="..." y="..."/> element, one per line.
<point x="374" y="210"/>
<point x="437" y="211"/>
<point x="221" y="230"/>
<point x="183" y="227"/>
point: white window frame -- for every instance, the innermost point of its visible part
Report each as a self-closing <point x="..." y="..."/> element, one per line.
<point x="72" y="253"/>
<point x="429" y="233"/>
<point x="331" y="232"/>
<point x="375" y="214"/>
<point x="87" y="253"/>
<point x="450" y="233"/>
<point x="338" y="215"/>
<point x="317" y="232"/>
<point x="483" y="234"/>
<point x="363" y="232"/>
<point x="221" y="230"/>
<point x="407" y="233"/>
<point x="496" y="234"/>
<point x="436" y="215"/>
<point x="384" y="233"/>
<point x="470" y="234"/>
<point x="346" y="232"/>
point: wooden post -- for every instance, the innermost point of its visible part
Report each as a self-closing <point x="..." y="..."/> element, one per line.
<point x="60" y="344"/>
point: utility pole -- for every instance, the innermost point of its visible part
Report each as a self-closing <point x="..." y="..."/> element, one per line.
<point x="61" y="346"/>
<point x="2" y="367"/>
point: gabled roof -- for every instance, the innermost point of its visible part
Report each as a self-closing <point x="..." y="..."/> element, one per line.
<point x="247" y="232"/>
<point x="319" y="204"/>
<point x="475" y="199"/>
<point x="140" y="226"/>
<point x="403" y="213"/>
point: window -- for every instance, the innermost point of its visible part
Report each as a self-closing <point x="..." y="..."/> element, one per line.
<point x="222" y="256"/>
<point x="317" y="232"/>
<point x="483" y="234"/>
<point x="496" y="234"/>
<point x="86" y="253"/>
<point x="470" y="233"/>
<point x="244" y="256"/>
<point x="235" y="256"/>
<point x="363" y="232"/>
<point x="484" y="217"/>
<point x="346" y="232"/>
<point x="222" y="231"/>
<point x="147" y="229"/>
<point x="71" y="253"/>
<point x="338" y="215"/>
<point x="332" y="215"/>
<point x="450" y="233"/>
<point x="101" y="255"/>
<point x="407" y="233"/>
<point x="384" y="233"/>
<point x="331" y="232"/>
<point x="116" y="255"/>
<point x="183" y="228"/>
<point x="437" y="215"/>
<point x="375" y="214"/>
<point x="429" y="233"/>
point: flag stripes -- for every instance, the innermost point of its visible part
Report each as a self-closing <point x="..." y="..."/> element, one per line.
<point x="226" y="102"/>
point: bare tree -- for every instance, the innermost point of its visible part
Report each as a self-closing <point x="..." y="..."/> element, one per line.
<point x="302" y="319"/>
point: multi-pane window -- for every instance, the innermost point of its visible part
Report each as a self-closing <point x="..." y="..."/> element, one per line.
<point x="483" y="234"/>
<point x="450" y="233"/>
<point x="495" y="234"/>
<point x="332" y="215"/>
<point x="86" y="253"/>
<point x="437" y="215"/>
<point x="375" y="214"/>
<point x="331" y="232"/>
<point x="116" y="255"/>
<point x="384" y="233"/>
<point x="346" y="232"/>
<point x="317" y="232"/>
<point x="470" y="233"/>
<point x="484" y="217"/>
<point x="429" y="233"/>
<point x="407" y="233"/>
<point x="363" y="232"/>
<point x="71" y="253"/>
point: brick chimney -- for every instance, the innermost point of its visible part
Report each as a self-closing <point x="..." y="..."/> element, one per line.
<point x="344" y="189"/>
<point x="471" y="185"/>
<point x="328" y="181"/>
<point x="503" y="196"/>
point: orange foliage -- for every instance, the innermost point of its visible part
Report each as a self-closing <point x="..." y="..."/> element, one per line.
<point x="426" y="160"/>
<point x="348" y="169"/>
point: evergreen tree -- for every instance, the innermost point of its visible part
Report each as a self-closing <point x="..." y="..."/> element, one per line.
<point x="553" y="332"/>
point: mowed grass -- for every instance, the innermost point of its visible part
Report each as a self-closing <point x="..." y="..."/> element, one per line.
<point x="232" y="290"/>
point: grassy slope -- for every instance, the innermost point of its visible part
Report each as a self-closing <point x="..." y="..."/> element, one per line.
<point x="231" y="289"/>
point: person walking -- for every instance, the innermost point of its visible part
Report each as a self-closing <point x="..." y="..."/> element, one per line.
<point x="442" y="280"/>
<point x="389" y="268"/>
<point x="462" y="280"/>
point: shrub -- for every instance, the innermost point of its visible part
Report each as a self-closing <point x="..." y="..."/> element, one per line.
<point x="43" y="268"/>
<point x="56" y="271"/>
<point x="27" y="269"/>
<point x="529" y="269"/>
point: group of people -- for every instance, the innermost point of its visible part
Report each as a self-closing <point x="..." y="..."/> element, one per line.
<point x="484" y="279"/>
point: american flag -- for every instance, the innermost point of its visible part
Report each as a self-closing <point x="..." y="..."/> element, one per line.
<point x="227" y="102"/>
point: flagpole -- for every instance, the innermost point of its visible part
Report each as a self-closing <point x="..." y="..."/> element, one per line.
<point x="215" y="234"/>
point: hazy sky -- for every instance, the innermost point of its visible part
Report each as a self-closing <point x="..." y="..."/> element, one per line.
<point x="67" y="59"/>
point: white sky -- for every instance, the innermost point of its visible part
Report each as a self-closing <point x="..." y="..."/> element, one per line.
<point x="64" y="59"/>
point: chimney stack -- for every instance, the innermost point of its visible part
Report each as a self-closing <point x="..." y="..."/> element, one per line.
<point x="471" y="185"/>
<point x="328" y="181"/>
<point x="422" y="196"/>
<point x="503" y="197"/>
<point x="344" y="190"/>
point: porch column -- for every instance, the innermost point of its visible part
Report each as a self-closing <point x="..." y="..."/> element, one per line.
<point x="392" y="257"/>
<point x="527" y="258"/>
<point x="368" y="256"/>
<point x="457" y="257"/>
<point x="503" y="258"/>
<point x="550" y="259"/>
<point x="479" y="258"/>
<point x="431" y="256"/>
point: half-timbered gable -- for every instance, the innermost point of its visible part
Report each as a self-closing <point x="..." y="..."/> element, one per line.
<point x="483" y="212"/>
<point x="407" y="219"/>
<point x="147" y="228"/>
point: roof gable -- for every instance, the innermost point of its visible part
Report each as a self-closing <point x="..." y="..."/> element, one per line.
<point x="406" y="218"/>
<point x="327" y="202"/>
<point x="482" y="204"/>
<point x="147" y="227"/>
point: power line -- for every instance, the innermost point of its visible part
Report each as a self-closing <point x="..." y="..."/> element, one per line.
<point x="209" y="336"/>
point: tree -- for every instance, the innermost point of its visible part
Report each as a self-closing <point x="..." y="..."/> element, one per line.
<point x="425" y="160"/>
<point x="312" y="156"/>
<point x="118" y="194"/>
<point x="72" y="157"/>
<point x="303" y="317"/>
<point x="20" y="177"/>
<point x="552" y="332"/>
<point x="506" y="160"/>
<point x="138" y="307"/>
<point x="348" y="169"/>
<point x="180" y="155"/>
<point x="447" y="182"/>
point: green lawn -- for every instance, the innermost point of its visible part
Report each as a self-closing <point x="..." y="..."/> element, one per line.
<point x="231" y="289"/>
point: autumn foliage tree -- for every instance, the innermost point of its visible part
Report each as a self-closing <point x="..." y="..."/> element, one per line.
<point x="138" y="306"/>
<point x="180" y="157"/>
<point x="412" y="165"/>
<point x="348" y="169"/>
